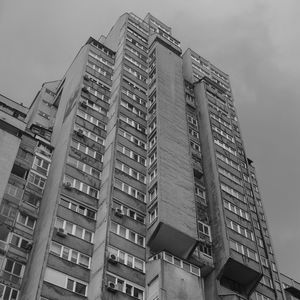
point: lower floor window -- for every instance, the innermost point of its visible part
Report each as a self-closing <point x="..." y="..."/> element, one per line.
<point x="8" y="293"/>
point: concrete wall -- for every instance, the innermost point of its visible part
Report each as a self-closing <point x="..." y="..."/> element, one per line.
<point x="175" y="176"/>
<point x="8" y="152"/>
<point x="62" y="134"/>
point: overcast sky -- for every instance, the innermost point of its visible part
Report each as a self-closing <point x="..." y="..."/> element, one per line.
<point x="255" y="42"/>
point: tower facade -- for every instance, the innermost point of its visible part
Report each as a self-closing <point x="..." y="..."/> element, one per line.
<point x="135" y="183"/>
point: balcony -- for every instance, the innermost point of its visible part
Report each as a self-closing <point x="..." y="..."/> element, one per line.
<point x="10" y="277"/>
<point x="240" y="273"/>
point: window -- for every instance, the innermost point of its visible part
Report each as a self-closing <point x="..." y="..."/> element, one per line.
<point x="264" y="261"/>
<point x="14" y="267"/>
<point x="153" y="214"/>
<point x="152" y="126"/>
<point x="75" y="230"/>
<point x="134" y="97"/>
<point x="153" y="174"/>
<point x="83" y="187"/>
<point x="230" y="176"/>
<point x="41" y="165"/>
<point x="7" y="210"/>
<point x="259" y="296"/>
<point x="84" y="167"/>
<point x="152" y="158"/>
<point x="193" y="133"/>
<point x="26" y="220"/>
<point x="152" y="142"/>
<point x="128" y="259"/>
<point x="133" y="109"/>
<point x="223" y="133"/>
<point x="32" y="199"/>
<point x="232" y="192"/>
<point x="205" y="229"/>
<point x="97" y="68"/>
<point x="225" y="147"/>
<point x="228" y="161"/>
<point x="79" y="208"/>
<point x="90" y="118"/>
<point x="135" y="62"/>
<point x="221" y="121"/>
<point x="189" y="98"/>
<point x="130" y="190"/>
<point x="236" y="210"/>
<point x="181" y="263"/>
<point x="134" y="85"/>
<point x="128" y="152"/>
<point x="206" y="250"/>
<point x="131" y="213"/>
<point x="243" y="250"/>
<point x="133" y="123"/>
<point x="93" y="136"/>
<point x="153" y="193"/>
<point x="86" y="150"/>
<point x="19" y="241"/>
<point x="192" y="120"/>
<point x="195" y="146"/>
<point x="101" y="59"/>
<point x="14" y="190"/>
<point x="136" y="34"/>
<point x="127" y="234"/>
<point x="131" y="172"/>
<point x="8" y="293"/>
<point x="199" y="192"/>
<point x="266" y="281"/>
<point x="37" y="180"/>
<point x="132" y="138"/>
<point x="136" y="53"/>
<point x="126" y="286"/>
<point x="240" y="229"/>
<point x="152" y="98"/>
<point x="70" y="254"/>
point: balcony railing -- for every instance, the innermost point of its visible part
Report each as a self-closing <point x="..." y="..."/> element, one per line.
<point x="14" y="191"/>
<point x="10" y="277"/>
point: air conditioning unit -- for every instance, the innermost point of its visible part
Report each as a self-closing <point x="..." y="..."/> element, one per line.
<point x="112" y="258"/>
<point x="68" y="186"/>
<point x="112" y="287"/>
<point x="85" y="77"/>
<point x="85" y="90"/>
<point x="79" y="132"/>
<point x="61" y="232"/>
<point x="29" y="246"/>
<point x="83" y="104"/>
<point x="119" y="212"/>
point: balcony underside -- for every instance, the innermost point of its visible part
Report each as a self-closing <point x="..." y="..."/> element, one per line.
<point x="167" y="238"/>
<point x="239" y="277"/>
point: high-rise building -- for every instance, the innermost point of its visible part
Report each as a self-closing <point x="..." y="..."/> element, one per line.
<point x="128" y="179"/>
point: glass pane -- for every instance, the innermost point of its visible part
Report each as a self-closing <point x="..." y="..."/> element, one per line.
<point x="79" y="232"/>
<point x="122" y="231"/>
<point x="15" y="240"/>
<point x="128" y="289"/>
<point x="70" y="284"/>
<point x="80" y="288"/>
<point x="65" y="253"/>
<point x="74" y="256"/>
<point x="9" y="265"/>
<point x="88" y="236"/>
<point x="17" y="269"/>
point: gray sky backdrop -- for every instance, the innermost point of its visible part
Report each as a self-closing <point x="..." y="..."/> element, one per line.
<point x="255" y="41"/>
